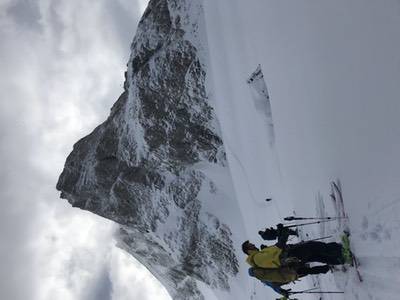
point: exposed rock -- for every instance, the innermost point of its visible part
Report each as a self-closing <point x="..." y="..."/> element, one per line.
<point x="140" y="167"/>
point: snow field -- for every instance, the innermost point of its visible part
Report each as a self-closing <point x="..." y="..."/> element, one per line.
<point x="332" y="69"/>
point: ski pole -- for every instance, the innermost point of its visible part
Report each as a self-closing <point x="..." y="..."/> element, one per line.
<point x="272" y="234"/>
<point x="321" y="238"/>
<point x="292" y="218"/>
<point x="317" y="292"/>
<point x="312" y="289"/>
<point x="288" y="297"/>
<point x="310" y="223"/>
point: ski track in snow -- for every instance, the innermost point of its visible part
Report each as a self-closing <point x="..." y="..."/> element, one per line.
<point x="379" y="270"/>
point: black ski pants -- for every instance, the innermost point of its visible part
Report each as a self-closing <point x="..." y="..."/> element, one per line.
<point x="314" y="251"/>
<point x="304" y="271"/>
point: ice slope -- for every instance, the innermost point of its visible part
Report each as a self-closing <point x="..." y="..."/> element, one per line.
<point x="333" y="71"/>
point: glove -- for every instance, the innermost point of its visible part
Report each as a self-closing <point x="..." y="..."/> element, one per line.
<point x="286" y="293"/>
<point x="269" y="234"/>
<point x="282" y="230"/>
<point x="291" y="262"/>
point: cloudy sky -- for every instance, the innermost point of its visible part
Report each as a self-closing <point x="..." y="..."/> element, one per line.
<point x="61" y="67"/>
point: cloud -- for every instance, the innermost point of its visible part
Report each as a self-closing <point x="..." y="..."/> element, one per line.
<point x="75" y="261"/>
<point x="102" y="288"/>
<point x="26" y="13"/>
<point x="61" y="68"/>
<point x="19" y="214"/>
<point x="125" y="277"/>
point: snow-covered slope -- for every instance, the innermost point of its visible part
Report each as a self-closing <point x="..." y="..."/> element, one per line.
<point x="193" y="148"/>
<point x="332" y="69"/>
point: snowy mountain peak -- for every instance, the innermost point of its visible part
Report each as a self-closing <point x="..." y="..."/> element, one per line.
<point x="151" y="165"/>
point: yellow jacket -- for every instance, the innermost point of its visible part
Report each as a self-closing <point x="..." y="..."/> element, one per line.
<point x="268" y="257"/>
<point x="278" y="276"/>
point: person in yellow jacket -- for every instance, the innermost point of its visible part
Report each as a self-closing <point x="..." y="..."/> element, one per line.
<point x="282" y="254"/>
<point x="280" y="264"/>
<point x="267" y="267"/>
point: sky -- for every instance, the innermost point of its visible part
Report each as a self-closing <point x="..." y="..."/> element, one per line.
<point x="61" y="69"/>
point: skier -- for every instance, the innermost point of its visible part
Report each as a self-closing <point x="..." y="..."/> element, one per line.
<point x="277" y="277"/>
<point x="282" y="254"/>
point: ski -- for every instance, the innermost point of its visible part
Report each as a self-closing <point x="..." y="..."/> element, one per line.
<point x="356" y="267"/>
<point x="348" y="254"/>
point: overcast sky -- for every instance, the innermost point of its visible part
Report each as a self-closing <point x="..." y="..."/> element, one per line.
<point x="61" y="66"/>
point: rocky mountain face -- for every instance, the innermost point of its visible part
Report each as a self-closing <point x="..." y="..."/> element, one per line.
<point x="147" y="166"/>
